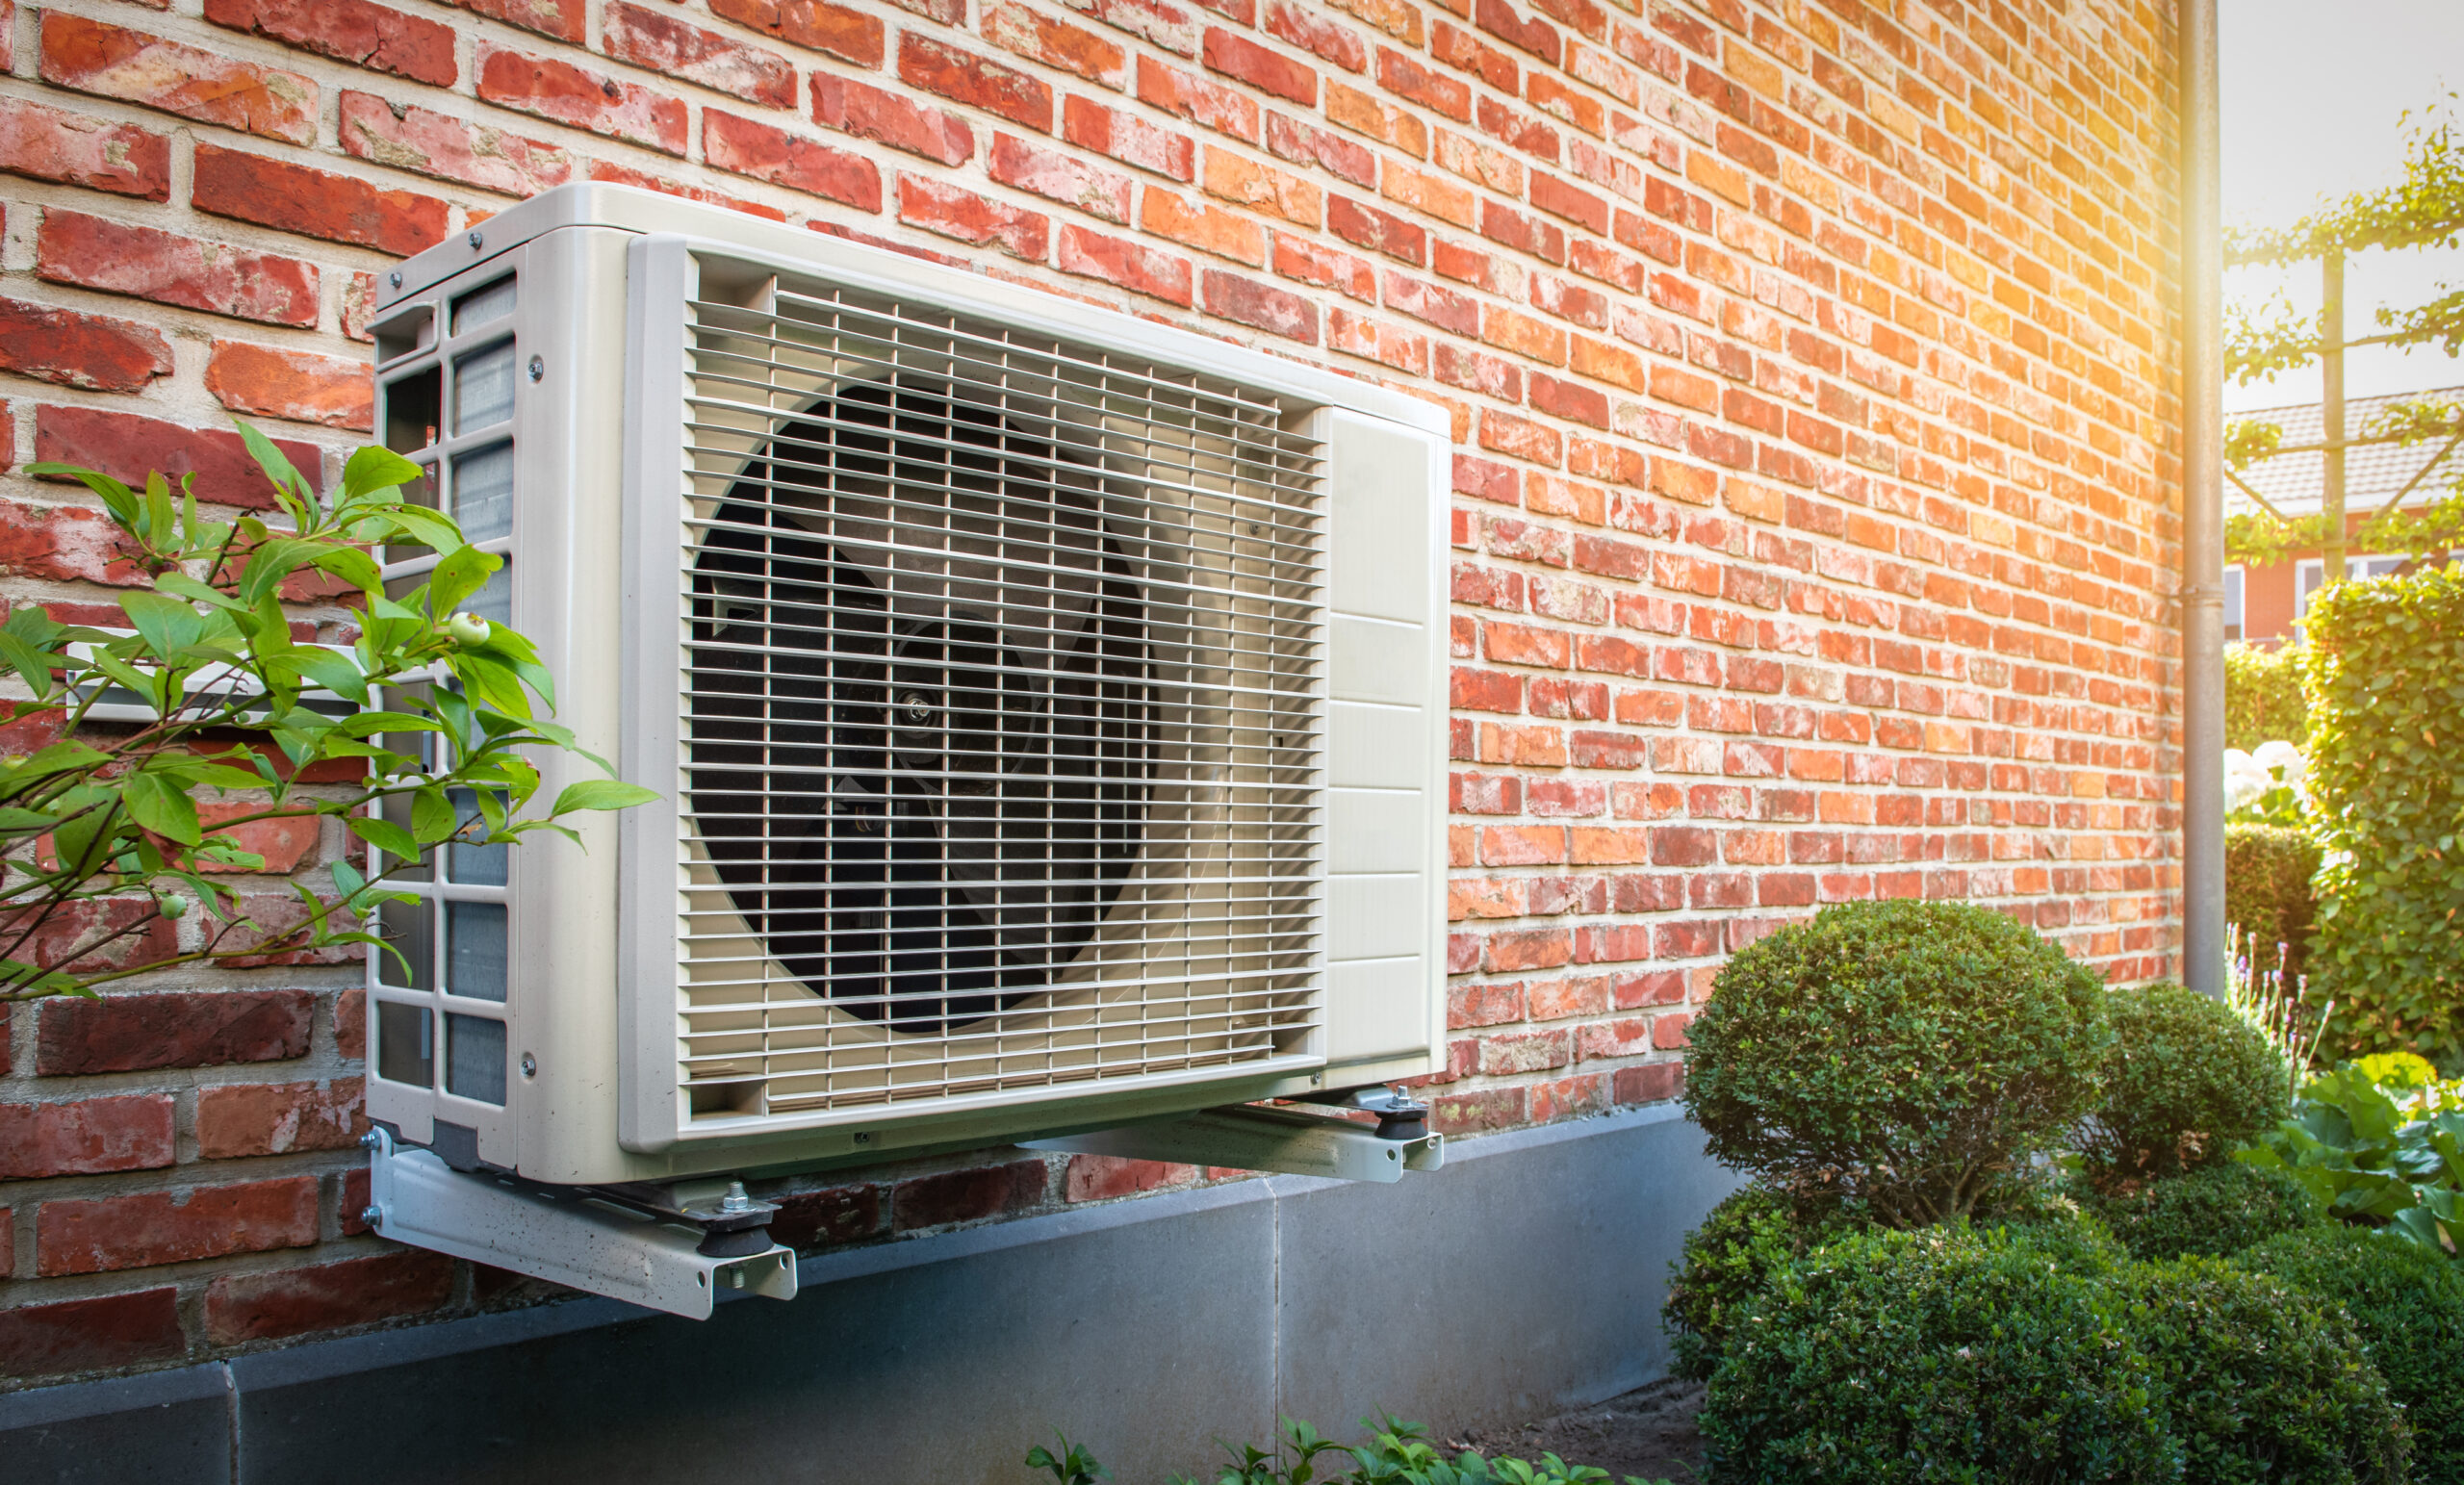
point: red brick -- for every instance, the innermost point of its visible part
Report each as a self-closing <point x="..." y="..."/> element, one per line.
<point x="353" y="30"/>
<point x="240" y="1307"/>
<point x="296" y="198"/>
<point x="1131" y="264"/>
<point x="1303" y="261"/>
<point x="1055" y="43"/>
<point x="1291" y="139"/>
<point x="972" y="219"/>
<point x="159" y="1227"/>
<point x="1197" y="99"/>
<point x="1166" y="25"/>
<point x="557" y="89"/>
<point x="1349" y="108"/>
<point x="842" y="1214"/>
<point x="968" y="1196"/>
<point x="661" y="42"/>
<point x="1379" y="231"/>
<point x="1472" y="1114"/>
<point x="1312" y="32"/>
<point x="128" y="447"/>
<point x="1106" y="1177"/>
<point x="91" y="1335"/>
<point x="625" y="175"/>
<point x="767" y="153"/>
<point x="1058" y="177"/>
<point x="97" y="1135"/>
<point x="1128" y="139"/>
<point x="72" y="349"/>
<point x="871" y="113"/>
<point x="1654" y="1083"/>
<point x="978" y="82"/>
<point x="813" y="24"/>
<point x="129" y="1033"/>
<point x="1408" y="79"/>
<point x="562" y="19"/>
<point x="1387" y="345"/>
<point x="167" y="268"/>
<point x="1253" y="184"/>
<point x="1537" y="36"/>
<point x="1209" y="229"/>
<point x="98" y="934"/>
<point x="48" y="144"/>
<point x="1261" y="306"/>
<point x="351" y="1025"/>
<point x="275" y="1118"/>
<point x="450" y="149"/>
<point x="1236" y="57"/>
<point x="297" y="385"/>
<point x="93" y="57"/>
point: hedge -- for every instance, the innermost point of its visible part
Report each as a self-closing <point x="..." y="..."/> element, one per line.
<point x="2267" y="872"/>
<point x="2263" y="700"/>
<point x="2384" y="668"/>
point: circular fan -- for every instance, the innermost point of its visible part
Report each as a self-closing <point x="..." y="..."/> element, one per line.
<point x="919" y="733"/>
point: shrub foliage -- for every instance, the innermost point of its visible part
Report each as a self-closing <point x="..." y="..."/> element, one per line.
<point x="2263" y="700"/>
<point x="2408" y="1305"/>
<point x="2213" y="1212"/>
<point x="1728" y="1262"/>
<point x="1905" y="1055"/>
<point x="2189" y="1082"/>
<point x="2267" y="874"/>
<point x="2385" y="673"/>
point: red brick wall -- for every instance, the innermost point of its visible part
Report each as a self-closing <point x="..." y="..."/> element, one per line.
<point x="1811" y="365"/>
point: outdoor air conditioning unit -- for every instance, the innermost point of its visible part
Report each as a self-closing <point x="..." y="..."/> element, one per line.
<point x="1047" y="709"/>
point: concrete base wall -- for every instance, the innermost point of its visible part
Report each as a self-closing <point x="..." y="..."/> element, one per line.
<point x="1524" y="1278"/>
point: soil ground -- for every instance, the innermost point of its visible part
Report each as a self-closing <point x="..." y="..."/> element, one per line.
<point x="1648" y="1433"/>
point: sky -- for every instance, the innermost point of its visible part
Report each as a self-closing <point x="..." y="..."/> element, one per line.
<point x="2314" y="101"/>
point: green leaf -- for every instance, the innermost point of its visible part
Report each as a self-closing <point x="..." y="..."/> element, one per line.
<point x="117" y="497"/>
<point x="431" y="817"/>
<point x="274" y="562"/>
<point x="372" y="468"/>
<point x="456" y="578"/>
<point x="33" y="666"/>
<point x="161" y="806"/>
<point x="278" y="468"/>
<point x="385" y="835"/>
<point x="336" y="671"/>
<point x="168" y="625"/>
<point x="601" y="794"/>
<point x="182" y="585"/>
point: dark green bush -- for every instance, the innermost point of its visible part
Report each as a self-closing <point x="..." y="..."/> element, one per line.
<point x="2263" y="700"/>
<point x="2408" y="1304"/>
<point x="2190" y="1082"/>
<point x="2267" y="872"/>
<point x="1906" y="1055"/>
<point x="2384" y="668"/>
<point x="2215" y="1212"/>
<point x="2262" y="1382"/>
<point x="1728" y="1262"/>
<point x="1947" y="1354"/>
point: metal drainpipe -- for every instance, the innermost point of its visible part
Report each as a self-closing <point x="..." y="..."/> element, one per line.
<point x="2202" y="593"/>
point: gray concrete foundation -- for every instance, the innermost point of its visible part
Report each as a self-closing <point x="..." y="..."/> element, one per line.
<point x="1524" y="1278"/>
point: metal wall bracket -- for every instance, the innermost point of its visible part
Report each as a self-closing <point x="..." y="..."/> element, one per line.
<point x="1252" y="1137"/>
<point x="629" y="1245"/>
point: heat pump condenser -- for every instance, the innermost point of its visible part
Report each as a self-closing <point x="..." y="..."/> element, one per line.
<point x="1046" y="708"/>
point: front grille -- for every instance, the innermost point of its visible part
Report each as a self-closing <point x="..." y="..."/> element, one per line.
<point x="1000" y="685"/>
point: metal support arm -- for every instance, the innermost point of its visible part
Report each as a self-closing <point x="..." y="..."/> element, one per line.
<point x="1248" y="1137"/>
<point x="573" y="1236"/>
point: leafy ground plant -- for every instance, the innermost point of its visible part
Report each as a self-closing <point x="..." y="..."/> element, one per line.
<point x="1395" y="1452"/>
<point x="207" y="690"/>
<point x="2380" y="1143"/>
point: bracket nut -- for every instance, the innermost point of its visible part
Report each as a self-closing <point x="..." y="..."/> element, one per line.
<point x="371" y="1216"/>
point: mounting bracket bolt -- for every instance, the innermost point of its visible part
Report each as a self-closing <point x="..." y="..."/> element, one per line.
<point x="371" y="1216"/>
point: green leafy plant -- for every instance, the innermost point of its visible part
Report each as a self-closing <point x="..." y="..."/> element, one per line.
<point x="208" y="691"/>
<point x="2261" y="1382"/>
<point x="2214" y="1211"/>
<point x="2190" y="1082"/>
<point x="2268" y="896"/>
<point x="2379" y="1142"/>
<point x="1074" y="1465"/>
<point x="2385" y="671"/>
<point x="2263" y="697"/>
<point x="1905" y="1057"/>
<point x="1395" y="1452"/>
<point x="2407" y="1304"/>
<point x="1946" y="1354"/>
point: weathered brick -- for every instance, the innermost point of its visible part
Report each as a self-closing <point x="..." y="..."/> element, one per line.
<point x="297" y="198"/>
<point x="562" y="19"/>
<point x="354" y="31"/>
<point x="1261" y="306"/>
<point x="299" y="384"/>
<point x="1129" y="264"/>
<point x="195" y="1029"/>
<point x="1259" y="186"/>
<point x="128" y="447"/>
<point x="968" y="1196"/>
<point x="1054" y="43"/>
<point x="1128" y="139"/>
<point x="816" y="25"/>
<point x="102" y="1333"/>
<point x="977" y="221"/>
<point x="72" y="349"/>
<point x="1209" y="229"/>
<point x="149" y="1228"/>
<point x="85" y="1137"/>
<point x="1058" y="177"/>
<point x="449" y="148"/>
<point x="840" y="1213"/>
<point x="661" y="42"/>
<point x="552" y="88"/>
<point x="93" y="56"/>
<point x="1199" y="99"/>
<point x="874" y="113"/>
<point x="978" y="82"/>
<point x="625" y="175"/>
<point x="1106" y="1177"/>
<point x="50" y="145"/>
<point x="240" y="1307"/>
<point x="168" y="268"/>
<point x="275" y="1118"/>
<point x="748" y="147"/>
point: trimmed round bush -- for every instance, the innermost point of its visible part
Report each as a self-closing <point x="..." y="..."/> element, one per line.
<point x="2213" y="1211"/>
<point x="1946" y="1354"/>
<point x="2190" y="1082"/>
<point x="2407" y="1303"/>
<point x="1905" y="1055"/>
<point x="1728" y="1262"/>
<point x="2264" y="1383"/>
<point x="2263" y="696"/>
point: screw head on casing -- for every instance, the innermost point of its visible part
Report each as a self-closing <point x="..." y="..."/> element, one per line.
<point x="529" y="1065"/>
<point x="370" y="1141"/>
<point x="371" y="1216"/>
<point x="475" y="240"/>
<point x="538" y="368"/>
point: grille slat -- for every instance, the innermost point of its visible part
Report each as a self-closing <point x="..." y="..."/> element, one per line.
<point x="1001" y="711"/>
